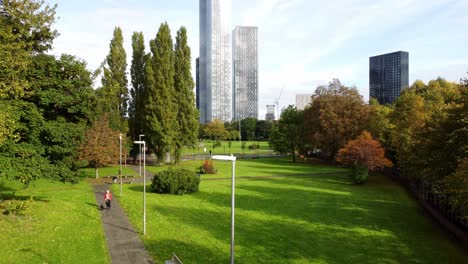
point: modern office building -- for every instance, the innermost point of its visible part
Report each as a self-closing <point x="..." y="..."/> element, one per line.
<point x="303" y="100"/>
<point x="215" y="61"/>
<point x="197" y="83"/>
<point x="388" y="76"/>
<point x="270" y="113"/>
<point x="244" y="72"/>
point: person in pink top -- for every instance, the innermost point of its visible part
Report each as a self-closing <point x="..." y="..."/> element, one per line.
<point x="108" y="199"/>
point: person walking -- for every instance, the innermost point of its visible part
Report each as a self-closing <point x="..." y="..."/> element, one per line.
<point x="108" y="199"/>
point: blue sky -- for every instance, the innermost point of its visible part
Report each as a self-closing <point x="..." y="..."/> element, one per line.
<point x="302" y="43"/>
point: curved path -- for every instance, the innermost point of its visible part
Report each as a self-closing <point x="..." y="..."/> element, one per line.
<point x="123" y="242"/>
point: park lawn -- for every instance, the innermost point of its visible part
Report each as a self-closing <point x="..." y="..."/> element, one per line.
<point x="107" y="171"/>
<point x="62" y="225"/>
<point x="294" y="219"/>
<point x="261" y="167"/>
<point x="236" y="148"/>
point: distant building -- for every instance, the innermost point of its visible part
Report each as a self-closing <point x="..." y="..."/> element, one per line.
<point x="215" y="61"/>
<point x="197" y="83"/>
<point x="303" y="100"/>
<point x="270" y="114"/>
<point x="244" y="72"/>
<point x="388" y="76"/>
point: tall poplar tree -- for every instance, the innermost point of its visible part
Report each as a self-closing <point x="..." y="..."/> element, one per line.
<point x="160" y="107"/>
<point x="114" y="91"/>
<point x="137" y="72"/>
<point x="187" y="114"/>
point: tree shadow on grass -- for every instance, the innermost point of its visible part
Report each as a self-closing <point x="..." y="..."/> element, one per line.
<point x="269" y="240"/>
<point x="187" y="251"/>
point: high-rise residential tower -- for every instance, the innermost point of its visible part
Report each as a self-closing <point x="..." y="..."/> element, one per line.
<point x="270" y="114"/>
<point x="197" y="83"/>
<point x="388" y="76"/>
<point x="245" y="72"/>
<point x="303" y="100"/>
<point x="215" y="61"/>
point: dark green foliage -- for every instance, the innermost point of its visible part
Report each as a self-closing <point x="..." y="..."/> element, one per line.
<point x="161" y="109"/>
<point x="137" y="72"/>
<point x="360" y="174"/>
<point x="287" y="134"/>
<point x="49" y="122"/>
<point x="113" y="96"/>
<point x="248" y="126"/>
<point x="254" y="146"/>
<point x="263" y="129"/>
<point x="187" y="114"/>
<point x="177" y="181"/>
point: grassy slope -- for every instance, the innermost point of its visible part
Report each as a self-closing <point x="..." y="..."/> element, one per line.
<point x="316" y="219"/>
<point x="61" y="226"/>
<point x="108" y="171"/>
<point x="262" y="167"/>
<point x="236" y="147"/>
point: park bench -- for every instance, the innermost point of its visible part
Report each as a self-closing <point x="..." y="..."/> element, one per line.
<point x="173" y="260"/>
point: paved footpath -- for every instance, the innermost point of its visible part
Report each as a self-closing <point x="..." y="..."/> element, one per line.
<point x="123" y="242"/>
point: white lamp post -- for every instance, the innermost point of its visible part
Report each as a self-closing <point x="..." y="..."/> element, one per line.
<point x="139" y="148"/>
<point x="233" y="160"/>
<point x="120" y="170"/>
<point x="144" y="183"/>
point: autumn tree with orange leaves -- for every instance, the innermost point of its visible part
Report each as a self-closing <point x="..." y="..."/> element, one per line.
<point x="363" y="154"/>
<point x="101" y="144"/>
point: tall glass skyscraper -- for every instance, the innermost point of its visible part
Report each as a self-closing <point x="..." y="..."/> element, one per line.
<point x="245" y="72"/>
<point x="215" y="61"/>
<point x="388" y="76"/>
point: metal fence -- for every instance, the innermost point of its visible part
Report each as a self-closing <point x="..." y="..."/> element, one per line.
<point x="436" y="203"/>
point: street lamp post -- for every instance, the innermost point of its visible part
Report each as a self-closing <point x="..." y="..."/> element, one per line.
<point x="233" y="173"/>
<point x="139" y="148"/>
<point x="144" y="183"/>
<point x="120" y="170"/>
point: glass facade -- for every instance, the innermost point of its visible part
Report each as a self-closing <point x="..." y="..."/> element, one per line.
<point x="245" y="72"/>
<point x="215" y="92"/>
<point x="388" y="76"/>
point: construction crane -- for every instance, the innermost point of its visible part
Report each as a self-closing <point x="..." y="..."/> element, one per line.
<point x="277" y="103"/>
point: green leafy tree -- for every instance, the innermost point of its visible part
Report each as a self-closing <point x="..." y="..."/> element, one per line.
<point x="263" y="129"/>
<point x="137" y="72"/>
<point x="336" y="115"/>
<point x="287" y="133"/>
<point x="215" y="130"/>
<point x="161" y="108"/>
<point x="114" y="92"/>
<point x="379" y="123"/>
<point x="187" y="114"/>
<point x="25" y="30"/>
<point x="248" y="126"/>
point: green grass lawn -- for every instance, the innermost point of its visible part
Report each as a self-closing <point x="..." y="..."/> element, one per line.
<point x="108" y="171"/>
<point x="62" y="225"/>
<point x="236" y="148"/>
<point x="322" y="218"/>
<point x="261" y="167"/>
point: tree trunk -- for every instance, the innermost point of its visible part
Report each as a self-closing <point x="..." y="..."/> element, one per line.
<point x="97" y="173"/>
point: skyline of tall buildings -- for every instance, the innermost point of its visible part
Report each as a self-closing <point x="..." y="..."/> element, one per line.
<point x="388" y="76"/>
<point x="244" y="72"/>
<point x="215" y="91"/>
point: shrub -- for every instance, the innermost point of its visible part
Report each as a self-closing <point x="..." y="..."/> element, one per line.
<point x="360" y="173"/>
<point x="178" y="181"/>
<point x="254" y="146"/>
<point x="207" y="167"/>
<point x="15" y="207"/>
